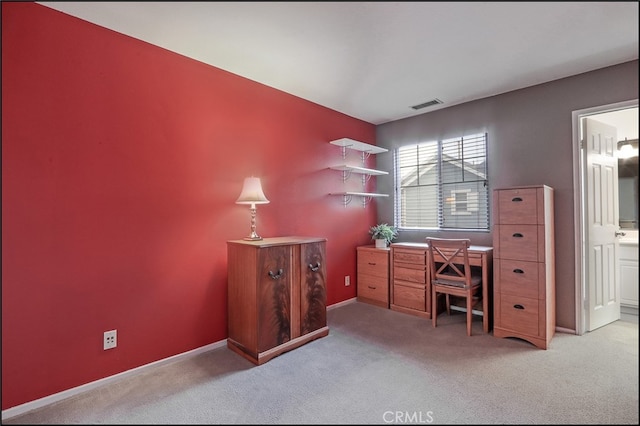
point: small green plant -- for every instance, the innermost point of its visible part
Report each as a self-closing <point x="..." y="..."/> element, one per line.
<point x="383" y="231"/>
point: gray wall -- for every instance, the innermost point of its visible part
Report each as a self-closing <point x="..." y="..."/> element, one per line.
<point x="529" y="143"/>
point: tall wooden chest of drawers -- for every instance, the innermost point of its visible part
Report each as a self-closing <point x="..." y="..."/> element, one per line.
<point x="276" y="295"/>
<point x="373" y="275"/>
<point x="524" y="264"/>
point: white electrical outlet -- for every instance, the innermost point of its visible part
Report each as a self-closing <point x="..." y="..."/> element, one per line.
<point x="110" y="339"/>
<point x="347" y="281"/>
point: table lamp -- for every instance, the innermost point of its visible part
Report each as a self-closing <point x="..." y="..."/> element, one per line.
<point x="252" y="194"/>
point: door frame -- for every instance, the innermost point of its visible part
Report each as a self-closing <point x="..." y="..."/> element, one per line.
<point x="578" y="203"/>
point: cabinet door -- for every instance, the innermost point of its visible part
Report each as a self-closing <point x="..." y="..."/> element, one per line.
<point x="313" y="293"/>
<point x="274" y="296"/>
<point x="629" y="282"/>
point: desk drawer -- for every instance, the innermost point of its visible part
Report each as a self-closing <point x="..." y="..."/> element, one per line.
<point x="474" y="258"/>
<point x="519" y="314"/>
<point x="415" y="257"/>
<point x="410" y="297"/>
<point x="414" y="275"/>
<point x="374" y="263"/>
<point x="372" y="287"/>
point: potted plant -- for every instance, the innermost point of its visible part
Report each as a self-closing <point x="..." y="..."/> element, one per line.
<point x="383" y="234"/>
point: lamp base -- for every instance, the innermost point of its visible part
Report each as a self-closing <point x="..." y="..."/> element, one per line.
<point x="256" y="238"/>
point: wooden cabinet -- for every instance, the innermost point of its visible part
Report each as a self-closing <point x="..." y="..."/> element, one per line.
<point x="373" y="275"/>
<point x="276" y="295"/>
<point x="410" y="290"/>
<point x="524" y="264"/>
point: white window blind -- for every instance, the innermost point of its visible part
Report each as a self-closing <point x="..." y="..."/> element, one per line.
<point x="443" y="184"/>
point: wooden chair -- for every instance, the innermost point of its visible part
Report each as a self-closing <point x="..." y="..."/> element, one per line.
<point x="451" y="275"/>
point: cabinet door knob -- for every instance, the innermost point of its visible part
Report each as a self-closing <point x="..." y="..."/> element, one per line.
<point x="276" y="276"/>
<point x="516" y="199"/>
<point x="372" y="263"/>
<point x="518" y="306"/>
<point x="518" y="271"/>
<point x="314" y="268"/>
<point x="517" y="235"/>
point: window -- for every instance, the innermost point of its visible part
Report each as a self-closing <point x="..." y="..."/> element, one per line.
<point x="442" y="184"/>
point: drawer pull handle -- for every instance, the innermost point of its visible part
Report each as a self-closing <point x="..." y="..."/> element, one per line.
<point x="518" y="271"/>
<point x="371" y="287"/>
<point x="518" y="235"/>
<point x="516" y="199"/>
<point x="372" y="263"/>
<point x="276" y="276"/>
<point x="314" y="268"/>
<point x="518" y="306"/>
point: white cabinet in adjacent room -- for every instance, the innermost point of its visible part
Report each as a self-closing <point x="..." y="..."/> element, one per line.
<point x="629" y="274"/>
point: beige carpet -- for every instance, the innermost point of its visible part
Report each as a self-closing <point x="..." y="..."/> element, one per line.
<point x="379" y="367"/>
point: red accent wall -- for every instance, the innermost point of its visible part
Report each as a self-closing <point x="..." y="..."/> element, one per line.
<point x="121" y="164"/>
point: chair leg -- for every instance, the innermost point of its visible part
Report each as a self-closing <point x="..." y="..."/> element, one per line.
<point x="469" y="313"/>
<point x="448" y="305"/>
<point x="434" y="307"/>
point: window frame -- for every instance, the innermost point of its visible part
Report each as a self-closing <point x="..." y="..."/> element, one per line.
<point x="477" y="202"/>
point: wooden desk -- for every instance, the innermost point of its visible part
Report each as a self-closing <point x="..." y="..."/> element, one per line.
<point x="481" y="256"/>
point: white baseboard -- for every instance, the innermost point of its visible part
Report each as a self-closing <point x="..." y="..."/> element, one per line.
<point x="343" y="303"/>
<point x="38" y="403"/>
<point x="565" y="330"/>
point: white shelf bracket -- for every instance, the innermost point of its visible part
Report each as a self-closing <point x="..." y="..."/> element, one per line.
<point x="365" y="179"/>
<point x="365" y="155"/>
<point x="365" y="201"/>
<point x="346" y="199"/>
<point x="344" y="152"/>
<point x="346" y="174"/>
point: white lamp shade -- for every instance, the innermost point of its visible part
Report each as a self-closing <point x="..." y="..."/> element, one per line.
<point x="252" y="192"/>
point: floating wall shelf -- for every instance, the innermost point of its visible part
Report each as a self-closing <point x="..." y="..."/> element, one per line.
<point x="347" y="169"/>
<point x="365" y="148"/>
<point x="366" y="196"/>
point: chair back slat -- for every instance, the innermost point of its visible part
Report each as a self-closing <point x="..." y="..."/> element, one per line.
<point x="450" y="261"/>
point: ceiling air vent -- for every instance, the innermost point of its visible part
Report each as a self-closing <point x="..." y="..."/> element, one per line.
<point x="427" y="104"/>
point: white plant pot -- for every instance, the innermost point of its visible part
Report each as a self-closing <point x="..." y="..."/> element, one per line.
<point x="381" y="243"/>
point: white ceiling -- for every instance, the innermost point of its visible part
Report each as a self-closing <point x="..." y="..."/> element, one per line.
<point x="374" y="60"/>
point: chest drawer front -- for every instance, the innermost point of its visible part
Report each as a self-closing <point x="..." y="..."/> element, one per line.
<point x="415" y="257"/>
<point x="518" y="277"/>
<point x="417" y="275"/>
<point x="371" y="287"/>
<point x="373" y="263"/>
<point x="518" y="206"/>
<point x="409" y="297"/>
<point x="518" y="242"/>
<point x="519" y="314"/>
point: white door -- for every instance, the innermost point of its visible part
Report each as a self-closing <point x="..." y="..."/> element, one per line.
<point x="601" y="214"/>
